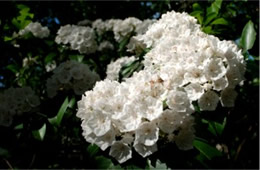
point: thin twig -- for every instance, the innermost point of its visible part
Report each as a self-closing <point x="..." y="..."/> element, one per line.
<point x="33" y="159"/>
<point x="8" y="164"/>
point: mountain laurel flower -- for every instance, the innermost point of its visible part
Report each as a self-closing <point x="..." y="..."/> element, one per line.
<point x="209" y="101"/>
<point x="227" y="97"/>
<point x="16" y="102"/>
<point x="71" y="75"/>
<point x="79" y="38"/>
<point x="120" y="151"/>
<point x="36" y="29"/>
<point x="147" y="134"/>
<point x="184" y="65"/>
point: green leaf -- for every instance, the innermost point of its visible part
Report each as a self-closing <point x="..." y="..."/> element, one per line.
<point x="248" y="36"/>
<point x="49" y="58"/>
<point x="6" y="38"/>
<point x="215" y="7"/>
<point x="58" y="118"/>
<point x="78" y="58"/>
<point x="18" y="127"/>
<point x="220" y="21"/>
<point x="3" y="152"/>
<point x="196" y="7"/>
<point x="209" y="18"/>
<point x="92" y="150"/>
<point x="12" y="67"/>
<point x="159" y="165"/>
<point x="103" y="163"/>
<point x="214" y="127"/>
<point x="207" y="29"/>
<point x="198" y="15"/>
<point x="201" y="158"/>
<point x="123" y="44"/>
<point x="39" y="134"/>
<point x="208" y="151"/>
<point x="72" y="102"/>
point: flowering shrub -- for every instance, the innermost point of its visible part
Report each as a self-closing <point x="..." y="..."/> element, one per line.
<point x="80" y="38"/>
<point x="15" y="102"/>
<point x="71" y="75"/>
<point x="178" y="70"/>
<point x="130" y="89"/>
<point x="36" y="29"/>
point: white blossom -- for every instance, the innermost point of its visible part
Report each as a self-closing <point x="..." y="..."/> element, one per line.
<point x="227" y="97"/>
<point x="144" y="150"/>
<point x="36" y="29"/>
<point x="208" y="101"/>
<point x="169" y="121"/>
<point x="147" y="134"/>
<point x="120" y="151"/>
<point x="183" y="65"/>
<point x="194" y="91"/>
<point x="79" y="37"/>
<point x="15" y="102"/>
<point x="71" y="75"/>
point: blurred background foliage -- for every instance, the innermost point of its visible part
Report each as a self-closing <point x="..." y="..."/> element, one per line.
<point x="52" y="138"/>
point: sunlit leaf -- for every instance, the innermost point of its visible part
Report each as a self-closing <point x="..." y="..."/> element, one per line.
<point x="196" y="7"/>
<point x="215" y="7"/>
<point x="198" y="15"/>
<point x="39" y="134"/>
<point x="248" y="36"/>
<point x="220" y="21"/>
<point x="209" y="18"/>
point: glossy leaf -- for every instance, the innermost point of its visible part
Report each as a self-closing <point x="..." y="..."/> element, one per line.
<point x="78" y="58"/>
<point x="92" y="149"/>
<point x="196" y="7"/>
<point x="208" y="151"/>
<point x="198" y="15"/>
<point x="19" y="127"/>
<point x="215" y="7"/>
<point x="58" y="118"/>
<point x="209" y="18"/>
<point x="103" y="163"/>
<point x="39" y="134"/>
<point x="248" y="36"/>
<point x="220" y="21"/>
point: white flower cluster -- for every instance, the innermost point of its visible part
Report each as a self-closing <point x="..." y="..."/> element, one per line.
<point x="79" y="37"/>
<point x="122" y="28"/>
<point x="15" y="102"/>
<point x="185" y="57"/>
<point x="114" y="67"/>
<point x="71" y="75"/>
<point x="135" y="45"/>
<point x="184" y="65"/>
<point x="36" y="29"/>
